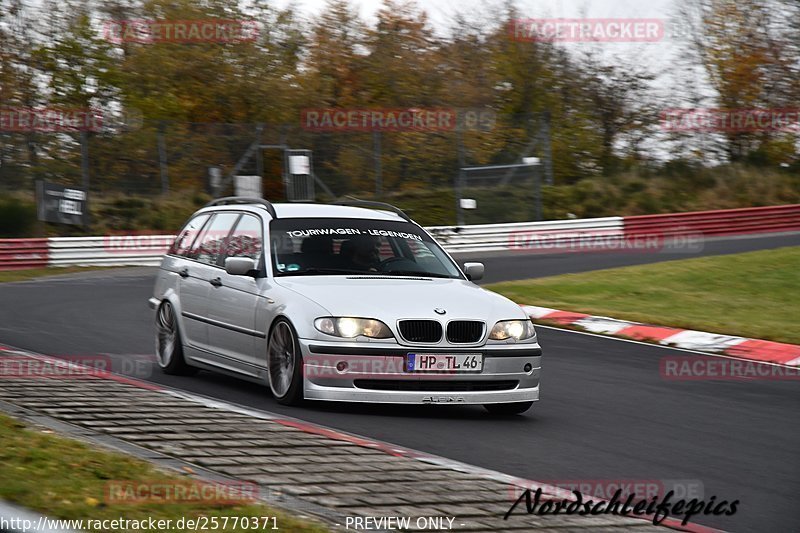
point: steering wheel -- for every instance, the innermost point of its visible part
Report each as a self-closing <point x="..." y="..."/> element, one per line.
<point x="386" y="263"/>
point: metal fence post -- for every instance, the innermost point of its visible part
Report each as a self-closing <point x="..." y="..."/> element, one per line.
<point x="537" y="180"/>
<point x="376" y="154"/>
<point x="260" y="164"/>
<point x="254" y="146"/>
<point x="547" y="148"/>
<point x="85" y="173"/>
<point x="459" y="176"/>
<point x="162" y="158"/>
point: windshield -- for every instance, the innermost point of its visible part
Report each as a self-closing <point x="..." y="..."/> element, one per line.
<point x="346" y="246"/>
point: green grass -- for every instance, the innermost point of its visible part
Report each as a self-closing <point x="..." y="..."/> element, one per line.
<point x="753" y="294"/>
<point x="67" y="479"/>
<point x="26" y="274"/>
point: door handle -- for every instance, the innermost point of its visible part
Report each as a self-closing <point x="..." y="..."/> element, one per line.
<point x="216" y="282"/>
<point x="184" y="272"/>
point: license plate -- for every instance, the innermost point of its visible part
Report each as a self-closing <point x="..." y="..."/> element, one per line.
<point x="429" y="362"/>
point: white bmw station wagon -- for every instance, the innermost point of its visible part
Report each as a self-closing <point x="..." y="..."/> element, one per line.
<point x="350" y="302"/>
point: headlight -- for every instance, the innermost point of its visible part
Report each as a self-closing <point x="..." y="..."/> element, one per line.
<point x="516" y="329"/>
<point x="353" y="327"/>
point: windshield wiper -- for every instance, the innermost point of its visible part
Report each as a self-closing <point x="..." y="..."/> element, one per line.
<point x="416" y="274"/>
<point x="313" y="271"/>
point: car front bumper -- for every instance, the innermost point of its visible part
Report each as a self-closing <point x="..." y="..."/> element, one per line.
<point x="374" y="372"/>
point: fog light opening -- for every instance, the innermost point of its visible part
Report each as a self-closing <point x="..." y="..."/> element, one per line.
<point x="341" y="366"/>
<point x="528" y="367"/>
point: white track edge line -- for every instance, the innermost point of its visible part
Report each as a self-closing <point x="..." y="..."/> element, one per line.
<point x="710" y="354"/>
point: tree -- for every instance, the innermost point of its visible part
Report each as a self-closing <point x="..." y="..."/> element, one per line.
<point x="749" y="52"/>
<point x="19" y="153"/>
<point x="622" y="107"/>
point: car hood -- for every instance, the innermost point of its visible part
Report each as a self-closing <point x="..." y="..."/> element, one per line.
<point x="393" y="298"/>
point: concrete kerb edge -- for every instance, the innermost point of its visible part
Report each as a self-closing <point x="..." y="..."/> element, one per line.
<point x="306" y="427"/>
<point x="285" y="502"/>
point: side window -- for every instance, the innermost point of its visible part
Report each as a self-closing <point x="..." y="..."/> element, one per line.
<point x="187" y="235"/>
<point x="208" y="246"/>
<point x="247" y="239"/>
<point x="385" y="250"/>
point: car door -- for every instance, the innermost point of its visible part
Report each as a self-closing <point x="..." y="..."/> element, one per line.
<point x="233" y="332"/>
<point x="192" y="290"/>
<point x="199" y="274"/>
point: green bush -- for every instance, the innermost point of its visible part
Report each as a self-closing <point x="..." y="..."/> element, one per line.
<point x="675" y="187"/>
<point x="17" y="217"/>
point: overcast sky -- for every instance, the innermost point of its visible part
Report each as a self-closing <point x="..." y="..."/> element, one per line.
<point x="441" y="12"/>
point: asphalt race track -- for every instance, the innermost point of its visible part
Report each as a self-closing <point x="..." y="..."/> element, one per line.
<point x="503" y="266"/>
<point x="605" y="413"/>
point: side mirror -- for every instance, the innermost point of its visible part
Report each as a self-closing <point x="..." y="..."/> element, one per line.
<point x="474" y="271"/>
<point x="239" y="266"/>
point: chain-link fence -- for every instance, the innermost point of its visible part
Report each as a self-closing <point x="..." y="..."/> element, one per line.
<point x="154" y="158"/>
<point x="499" y="193"/>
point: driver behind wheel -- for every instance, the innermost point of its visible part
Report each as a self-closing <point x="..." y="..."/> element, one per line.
<point x="362" y="252"/>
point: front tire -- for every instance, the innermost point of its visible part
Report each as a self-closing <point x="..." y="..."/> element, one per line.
<point x="169" y="350"/>
<point x="514" y="408"/>
<point x="285" y="364"/>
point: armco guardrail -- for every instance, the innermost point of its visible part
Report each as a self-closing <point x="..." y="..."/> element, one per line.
<point x="17" y="254"/>
<point x="772" y="219"/>
<point x="147" y="250"/>
<point x="496" y="237"/>
<point x="112" y="250"/>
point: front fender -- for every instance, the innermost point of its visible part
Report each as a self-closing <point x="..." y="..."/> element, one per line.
<point x="300" y="310"/>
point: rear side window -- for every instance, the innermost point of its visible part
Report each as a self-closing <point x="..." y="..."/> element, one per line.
<point x="247" y="239"/>
<point x="208" y="245"/>
<point x="185" y="239"/>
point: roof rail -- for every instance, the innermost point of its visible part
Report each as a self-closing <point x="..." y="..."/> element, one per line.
<point x="233" y="200"/>
<point x="355" y="202"/>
